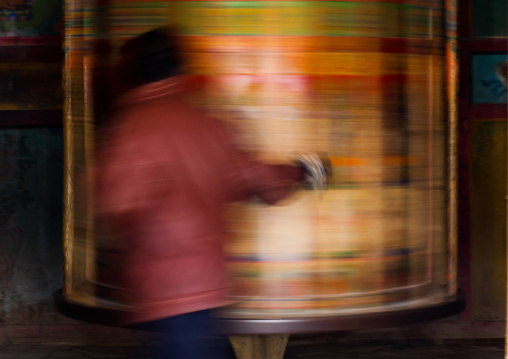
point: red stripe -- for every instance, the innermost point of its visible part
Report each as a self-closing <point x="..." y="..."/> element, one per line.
<point x="30" y="40"/>
<point x="382" y="79"/>
<point x="312" y="44"/>
<point x="49" y="53"/>
<point x="14" y="118"/>
<point x="485" y="45"/>
<point x="486" y="111"/>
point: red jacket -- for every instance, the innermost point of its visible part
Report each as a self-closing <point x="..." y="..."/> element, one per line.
<point x="164" y="172"/>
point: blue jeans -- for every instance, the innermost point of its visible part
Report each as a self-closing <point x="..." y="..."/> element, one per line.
<point x="189" y="336"/>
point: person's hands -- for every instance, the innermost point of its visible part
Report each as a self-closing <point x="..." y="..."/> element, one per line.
<point x="317" y="170"/>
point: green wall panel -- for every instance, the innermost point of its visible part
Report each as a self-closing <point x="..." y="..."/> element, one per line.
<point x="488" y="215"/>
<point x="489" y="18"/>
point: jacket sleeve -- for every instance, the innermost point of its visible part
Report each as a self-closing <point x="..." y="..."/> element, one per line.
<point x="252" y="178"/>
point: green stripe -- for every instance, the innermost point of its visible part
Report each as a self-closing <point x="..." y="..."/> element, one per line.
<point x="144" y="5"/>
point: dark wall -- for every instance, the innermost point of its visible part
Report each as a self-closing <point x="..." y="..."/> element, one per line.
<point x="30" y="223"/>
<point x="31" y="164"/>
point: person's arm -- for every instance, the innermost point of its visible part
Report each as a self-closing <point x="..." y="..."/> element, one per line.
<point x="269" y="182"/>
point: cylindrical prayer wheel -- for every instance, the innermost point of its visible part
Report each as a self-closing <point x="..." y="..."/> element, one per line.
<point x="362" y="82"/>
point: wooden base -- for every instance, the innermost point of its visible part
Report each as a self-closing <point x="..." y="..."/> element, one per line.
<point x="452" y="305"/>
<point x="260" y="346"/>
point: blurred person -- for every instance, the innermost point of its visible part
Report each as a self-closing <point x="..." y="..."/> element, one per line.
<point x="163" y="172"/>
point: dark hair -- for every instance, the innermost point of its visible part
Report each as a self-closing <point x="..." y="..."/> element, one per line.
<point x="151" y="56"/>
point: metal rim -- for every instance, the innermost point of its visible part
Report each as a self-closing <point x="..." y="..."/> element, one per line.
<point x="233" y="326"/>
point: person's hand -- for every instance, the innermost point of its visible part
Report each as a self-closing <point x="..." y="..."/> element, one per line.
<point x="317" y="170"/>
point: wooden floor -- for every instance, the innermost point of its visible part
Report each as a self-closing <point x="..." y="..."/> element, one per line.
<point x="357" y="350"/>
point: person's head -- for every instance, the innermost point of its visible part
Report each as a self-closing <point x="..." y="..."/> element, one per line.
<point x="152" y="56"/>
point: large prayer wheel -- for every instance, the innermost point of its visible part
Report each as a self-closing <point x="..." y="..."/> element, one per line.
<point x="368" y="83"/>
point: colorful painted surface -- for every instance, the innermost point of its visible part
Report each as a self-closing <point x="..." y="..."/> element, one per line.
<point x="30" y="17"/>
<point x="362" y="81"/>
<point x="30" y="223"/>
<point x="486" y="85"/>
<point x="488" y="219"/>
<point x="363" y="89"/>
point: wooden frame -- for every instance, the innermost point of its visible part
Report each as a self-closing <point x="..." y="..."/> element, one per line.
<point x="37" y="49"/>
